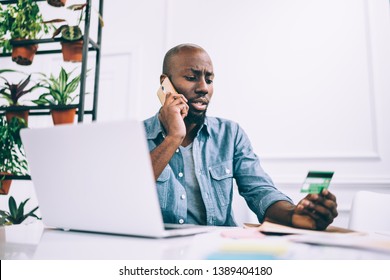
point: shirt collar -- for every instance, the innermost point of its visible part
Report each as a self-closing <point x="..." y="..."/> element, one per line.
<point x="205" y="127"/>
<point x="155" y="128"/>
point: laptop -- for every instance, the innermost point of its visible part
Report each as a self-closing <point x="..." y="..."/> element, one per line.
<point x="97" y="177"/>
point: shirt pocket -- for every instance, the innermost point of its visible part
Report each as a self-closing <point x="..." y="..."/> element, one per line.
<point x="222" y="181"/>
<point x="162" y="187"/>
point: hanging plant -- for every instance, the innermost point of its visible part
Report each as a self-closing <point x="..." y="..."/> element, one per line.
<point x="21" y="21"/>
<point x="56" y="3"/>
<point x="72" y="35"/>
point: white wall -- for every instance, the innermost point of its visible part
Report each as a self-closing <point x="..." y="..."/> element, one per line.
<point x="307" y="79"/>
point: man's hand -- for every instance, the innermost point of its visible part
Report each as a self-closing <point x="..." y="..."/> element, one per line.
<point x="172" y="113"/>
<point x="315" y="211"/>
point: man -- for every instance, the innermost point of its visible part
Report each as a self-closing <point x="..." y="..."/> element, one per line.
<point x="195" y="158"/>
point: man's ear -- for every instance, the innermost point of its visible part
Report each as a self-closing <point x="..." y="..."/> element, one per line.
<point x="162" y="77"/>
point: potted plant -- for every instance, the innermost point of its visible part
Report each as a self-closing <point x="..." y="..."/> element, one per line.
<point x="13" y="92"/>
<point x="21" y="21"/>
<point x="56" y="3"/>
<point x="61" y="91"/>
<point x="16" y="213"/>
<point x="12" y="157"/>
<point x="72" y="36"/>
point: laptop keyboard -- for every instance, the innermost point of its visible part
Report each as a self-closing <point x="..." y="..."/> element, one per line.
<point x="177" y="226"/>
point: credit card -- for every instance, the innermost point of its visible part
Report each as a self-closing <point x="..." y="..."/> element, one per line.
<point x="316" y="181"/>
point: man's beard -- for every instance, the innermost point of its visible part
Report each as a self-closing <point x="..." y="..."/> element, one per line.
<point x="195" y="117"/>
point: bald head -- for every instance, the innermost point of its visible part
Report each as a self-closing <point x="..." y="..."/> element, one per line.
<point x="190" y="70"/>
<point x="179" y="49"/>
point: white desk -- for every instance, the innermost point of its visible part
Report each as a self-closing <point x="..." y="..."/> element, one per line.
<point x="34" y="242"/>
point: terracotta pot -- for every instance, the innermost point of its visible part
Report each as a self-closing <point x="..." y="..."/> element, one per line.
<point x="72" y="51"/>
<point x="63" y="116"/>
<point x="21" y="114"/>
<point x="24" y="55"/>
<point x="56" y="3"/>
<point x="5" y="185"/>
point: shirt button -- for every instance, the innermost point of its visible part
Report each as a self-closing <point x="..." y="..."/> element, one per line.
<point x="180" y="174"/>
<point x="181" y="221"/>
<point x="177" y="150"/>
<point x="227" y="170"/>
<point x="183" y="196"/>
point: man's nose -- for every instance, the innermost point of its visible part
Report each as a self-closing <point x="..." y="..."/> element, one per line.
<point x="202" y="87"/>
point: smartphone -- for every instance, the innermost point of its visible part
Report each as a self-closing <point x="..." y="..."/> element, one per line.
<point x="164" y="88"/>
<point x="316" y="181"/>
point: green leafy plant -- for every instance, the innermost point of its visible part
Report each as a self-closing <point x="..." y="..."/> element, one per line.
<point x="61" y="89"/>
<point x="20" y="20"/>
<point x="72" y="32"/>
<point x="12" y="155"/>
<point x="12" y="92"/>
<point x="16" y="213"/>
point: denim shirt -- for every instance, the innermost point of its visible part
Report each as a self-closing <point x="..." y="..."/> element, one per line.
<point x="222" y="152"/>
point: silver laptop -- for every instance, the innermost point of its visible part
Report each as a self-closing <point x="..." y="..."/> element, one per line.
<point x="97" y="177"/>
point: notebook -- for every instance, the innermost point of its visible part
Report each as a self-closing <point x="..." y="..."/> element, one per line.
<point x="97" y="177"/>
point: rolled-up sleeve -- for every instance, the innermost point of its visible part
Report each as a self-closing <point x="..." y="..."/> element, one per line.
<point x="254" y="184"/>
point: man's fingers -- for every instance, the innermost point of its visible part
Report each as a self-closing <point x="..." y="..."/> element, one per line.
<point x="331" y="206"/>
<point x="183" y="110"/>
<point x="328" y="195"/>
<point x="178" y="101"/>
<point x="320" y="212"/>
<point x="302" y="210"/>
<point x="326" y="199"/>
<point x="321" y="208"/>
<point x="172" y="97"/>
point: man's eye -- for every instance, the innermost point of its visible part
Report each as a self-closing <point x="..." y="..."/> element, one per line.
<point x="209" y="81"/>
<point x="190" y="78"/>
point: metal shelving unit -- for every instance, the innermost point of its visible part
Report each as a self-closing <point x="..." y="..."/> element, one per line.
<point x="88" y="46"/>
